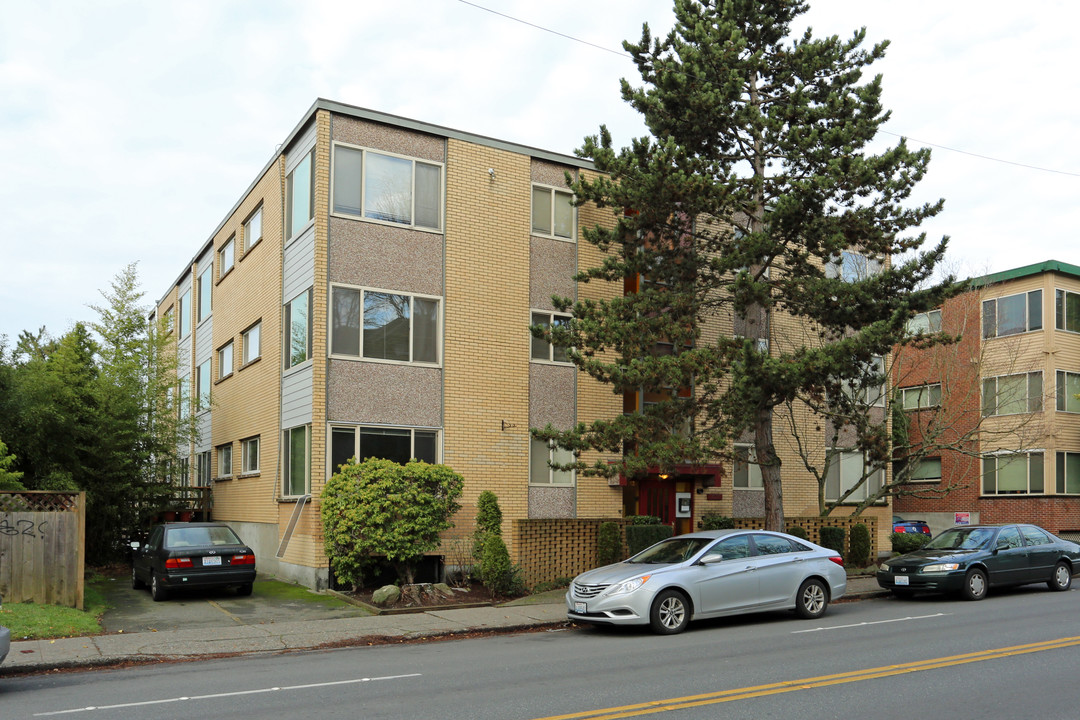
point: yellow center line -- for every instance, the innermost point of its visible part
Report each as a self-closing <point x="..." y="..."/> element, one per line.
<point x="689" y="701"/>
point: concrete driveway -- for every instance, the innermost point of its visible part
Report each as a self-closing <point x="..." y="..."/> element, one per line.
<point x="271" y="601"/>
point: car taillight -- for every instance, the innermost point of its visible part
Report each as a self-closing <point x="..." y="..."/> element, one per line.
<point x="838" y="560"/>
<point x="178" y="563"/>
<point x="898" y="528"/>
<point x="242" y="560"/>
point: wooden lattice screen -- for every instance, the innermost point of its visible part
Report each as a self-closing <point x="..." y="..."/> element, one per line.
<point x="42" y="547"/>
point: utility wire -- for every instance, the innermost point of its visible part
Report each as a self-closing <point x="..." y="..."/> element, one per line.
<point x="622" y="53"/>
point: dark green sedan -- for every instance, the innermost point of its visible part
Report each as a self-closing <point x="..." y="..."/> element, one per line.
<point x="973" y="558"/>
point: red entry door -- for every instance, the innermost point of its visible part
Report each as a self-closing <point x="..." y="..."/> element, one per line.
<point x="657" y="498"/>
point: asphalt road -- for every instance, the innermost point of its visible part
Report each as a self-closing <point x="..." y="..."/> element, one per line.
<point x="1013" y="655"/>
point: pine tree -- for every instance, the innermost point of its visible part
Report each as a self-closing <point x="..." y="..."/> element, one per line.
<point x="755" y="196"/>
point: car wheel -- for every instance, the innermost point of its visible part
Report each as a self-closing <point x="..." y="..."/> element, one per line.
<point x="1062" y="578"/>
<point x="812" y="599"/>
<point x="244" y="590"/>
<point x="975" y="584"/>
<point x="670" y="613"/>
<point x="157" y="592"/>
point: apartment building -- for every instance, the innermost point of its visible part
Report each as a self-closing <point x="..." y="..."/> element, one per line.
<point x="370" y="294"/>
<point x="999" y="410"/>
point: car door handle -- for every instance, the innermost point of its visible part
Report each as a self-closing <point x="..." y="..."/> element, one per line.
<point x="751" y="568"/>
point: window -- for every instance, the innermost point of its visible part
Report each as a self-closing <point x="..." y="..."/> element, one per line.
<point x="1035" y="536"/>
<point x="387" y="188"/>
<point x="746" y="473"/>
<point x="1068" y="387"/>
<point x="183" y="310"/>
<point x="295" y="474"/>
<point x="224" y="460"/>
<point x="169" y="320"/>
<point x="541" y="453"/>
<point x="299" y="198"/>
<point x="926" y="470"/>
<point x="552" y="212"/>
<point x="1013" y="474"/>
<point x="927" y="322"/>
<point x="1012" y="314"/>
<point x="183" y="398"/>
<point x="403" y="328"/>
<point x="871" y="395"/>
<point x="249" y="449"/>
<point x="541" y="348"/>
<point x="202" y="468"/>
<point x="844" y="470"/>
<point x="772" y="545"/>
<point x="206" y="287"/>
<point x="253" y="229"/>
<point x="1068" y="473"/>
<point x="1011" y="394"/>
<point x="297" y="330"/>
<point x="225" y="256"/>
<point x="225" y="360"/>
<point x="252" y="345"/>
<point x="202" y="382"/>
<point x="918" y="398"/>
<point x="852" y="267"/>
<point x="398" y="444"/>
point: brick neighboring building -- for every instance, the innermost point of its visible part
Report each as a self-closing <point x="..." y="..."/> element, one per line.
<point x="1006" y="395"/>
<point x="370" y="294"/>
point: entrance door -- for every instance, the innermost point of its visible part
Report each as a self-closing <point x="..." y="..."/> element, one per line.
<point x="657" y="497"/>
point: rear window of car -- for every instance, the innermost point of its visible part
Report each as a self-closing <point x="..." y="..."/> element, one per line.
<point x="200" y="537"/>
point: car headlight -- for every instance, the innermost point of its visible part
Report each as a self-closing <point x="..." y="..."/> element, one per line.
<point x="627" y="586"/>
<point x="940" y="567"/>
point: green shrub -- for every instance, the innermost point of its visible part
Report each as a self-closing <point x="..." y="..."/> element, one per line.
<point x="908" y="542"/>
<point x="644" y="520"/>
<point x="639" y="537"/>
<point x="713" y="521"/>
<point x="499" y="575"/>
<point x="833" y="538"/>
<point x="859" y="554"/>
<point x="556" y="584"/>
<point x="798" y="532"/>
<point x="488" y="520"/>
<point x="608" y="544"/>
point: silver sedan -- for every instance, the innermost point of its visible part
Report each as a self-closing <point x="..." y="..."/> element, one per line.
<point x="706" y="575"/>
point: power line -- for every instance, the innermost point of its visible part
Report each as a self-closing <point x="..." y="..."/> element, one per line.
<point x="886" y="132"/>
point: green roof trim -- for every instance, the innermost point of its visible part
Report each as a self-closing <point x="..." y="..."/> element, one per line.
<point x="1026" y="271"/>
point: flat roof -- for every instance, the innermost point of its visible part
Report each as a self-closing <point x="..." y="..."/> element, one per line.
<point x="1027" y="271"/>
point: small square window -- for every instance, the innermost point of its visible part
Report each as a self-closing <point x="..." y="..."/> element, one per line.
<point x="541" y="349"/>
<point x="552" y="212"/>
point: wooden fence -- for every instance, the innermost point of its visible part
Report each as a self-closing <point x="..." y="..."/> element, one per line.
<point x="42" y="547"/>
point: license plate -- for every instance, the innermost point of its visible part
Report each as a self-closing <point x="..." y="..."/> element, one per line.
<point x="579" y="607"/>
<point x="901" y="579"/>
<point x="211" y="561"/>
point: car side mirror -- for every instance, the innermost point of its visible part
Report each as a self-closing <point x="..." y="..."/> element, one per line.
<point x="711" y="559"/>
<point x="1002" y="545"/>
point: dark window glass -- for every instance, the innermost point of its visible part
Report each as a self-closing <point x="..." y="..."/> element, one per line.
<point x="385" y="443"/>
<point x="342" y="447"/>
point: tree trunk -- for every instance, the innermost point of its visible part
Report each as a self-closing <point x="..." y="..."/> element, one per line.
<point x="769" y="463"/>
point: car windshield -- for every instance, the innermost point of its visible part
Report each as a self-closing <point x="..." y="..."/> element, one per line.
<point x="961" y="539"/>
<point x="675" y="550"/>
<point x="200" y="537"/>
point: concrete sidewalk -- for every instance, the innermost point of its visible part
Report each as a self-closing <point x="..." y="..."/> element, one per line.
<point x="122" y="648"/>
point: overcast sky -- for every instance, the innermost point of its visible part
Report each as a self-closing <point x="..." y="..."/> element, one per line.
<point x="129" y="129"/>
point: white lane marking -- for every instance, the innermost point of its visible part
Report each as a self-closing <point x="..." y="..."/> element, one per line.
<point x="223" y="695"/>
<point x="876" y="622"/>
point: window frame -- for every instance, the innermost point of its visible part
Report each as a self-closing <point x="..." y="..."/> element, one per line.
<point x="245" y="449"/>
<point x="1063" y="396"/>
<point x="248" y="243"/>
<point x="919" y="391"/>
<point x="861" y="396"/>
<point x="837" y="266"/>
<point x="357" y="431"/>
<point x="224" y="453"/>
<point x="204" y="381"/>
<point x="228" y="248"/>
<point x="931" y="480"/>
<point x="287" y="457"/>
<point x="183" y="313"/>
<point x="230" y="347"/>
<point x="245" y="337"/>
<point x="292" y="230"/>
<point x="553" y="192"/>
<point x="994" y="316"/>
<point x="1061" y="464"/>
<point x="362" y="215"/>
<point x="286" y="326"/>
<point x="749" y="461"/>
<point x="551" y="472"/>
<point x="203" y="468"/>
<point x="995" y="459"/>
<point x="551" y="348"/>
<point x="932" y="325"/>
<point x="205" y="284"/>
<point x="863" y="493"/>
<point x="360" y="356"/>
<point x="1034" y="403"/>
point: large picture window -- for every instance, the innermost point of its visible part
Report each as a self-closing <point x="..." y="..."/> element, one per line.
<point x="552" y="212"/>
<point x="299" y="198"/>
<point x="298" y="330"/>
<point x="541" y="454"/>
<point x="387" y="188"/>
<point x="852" y="267"/>
<point x="382" y="325"/>
<point x="746" y="473"/>
<point x="1012" y="314"/>
<point x="845" y="470"/>
<point x="1012" y="394"/>
<point x="397" y="444"/>
<point x="296" y="468"/>
<point x="541" y="348"/>
<point x="1013" y="474"/>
